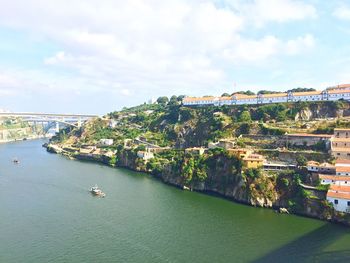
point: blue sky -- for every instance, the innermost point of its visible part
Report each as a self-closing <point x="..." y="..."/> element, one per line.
<point x="99" y="56"/>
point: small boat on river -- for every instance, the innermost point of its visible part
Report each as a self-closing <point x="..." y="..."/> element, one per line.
<point x="95" y="190"/>
<point x="15" y="161"/>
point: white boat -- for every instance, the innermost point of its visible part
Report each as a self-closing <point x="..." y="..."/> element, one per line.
<point x="95" y="190"/>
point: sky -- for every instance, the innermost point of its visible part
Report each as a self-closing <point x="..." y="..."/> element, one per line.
<point x="89" y="56"/>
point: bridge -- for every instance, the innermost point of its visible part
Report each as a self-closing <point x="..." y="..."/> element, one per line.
<point x="74" y="120"/>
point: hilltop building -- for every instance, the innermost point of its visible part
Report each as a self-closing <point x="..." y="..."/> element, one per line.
<point x="330" y="94"/>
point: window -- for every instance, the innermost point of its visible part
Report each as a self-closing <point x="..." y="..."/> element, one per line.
<point x="348" y="203"/>
<point x="338" y="154"/>
<point x="335" y="201"/>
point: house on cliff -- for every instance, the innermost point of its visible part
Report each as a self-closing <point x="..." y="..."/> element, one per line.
<point x="339" y="197"/>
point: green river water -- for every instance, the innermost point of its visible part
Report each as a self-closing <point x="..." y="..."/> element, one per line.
<point x="48" y="215"/>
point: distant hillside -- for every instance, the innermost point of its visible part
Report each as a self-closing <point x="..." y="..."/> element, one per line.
<point x="170" y="124"/>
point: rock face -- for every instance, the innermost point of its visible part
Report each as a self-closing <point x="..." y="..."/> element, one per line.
<point x="304" y="115"/>
<point x="221" y="180"/>
<point x="322" y="110"/>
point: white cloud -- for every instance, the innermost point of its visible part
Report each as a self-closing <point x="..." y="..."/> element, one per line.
<point x="149" y="47"/>
<point x="298" y="45"/>
<point x="57" y="58"/>
<point x="267" y="47"/>
<point x="342" y="12"/>
<point x="125" y="92"/>
<point x="253" y="50"/>
<point x="263" y="11"/>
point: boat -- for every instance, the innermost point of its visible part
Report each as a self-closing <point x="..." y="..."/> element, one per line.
<point x="16" y="161"/>
<point x="95" y="190"/>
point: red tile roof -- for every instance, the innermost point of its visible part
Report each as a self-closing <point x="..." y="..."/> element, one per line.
<point x="342" y="161"/>
<point x="337" y="91"/>
<point x="244" y="96"/>
<point x="339" y="188"/>
<point x="342" y="169"/>
<point x="334" y="139"/>
<point x="340" y="149"/>
<point x="313" y="163"/>
<point x="341" y="129"/>
<point x="274" y="95"/>
<point x="339" y="195"/>
<point x="333" y="177"/>
<point x="307" y="93"/>
<point x="187" y="99"/>
<point x="327" y="165"/>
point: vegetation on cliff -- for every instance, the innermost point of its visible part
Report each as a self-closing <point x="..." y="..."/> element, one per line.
<point x="169" y="124"/>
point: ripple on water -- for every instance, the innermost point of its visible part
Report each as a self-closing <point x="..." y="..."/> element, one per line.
<point x="48" y="215"/>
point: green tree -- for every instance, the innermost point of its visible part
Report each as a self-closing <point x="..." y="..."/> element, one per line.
<point x="181" y="97"/>
<point x="248" y="92"/>
<point x="301" y="160"/>
<point x="245" y="116"/>
<point x="281" y="116"/>
<point x="163" y="100"/>
<point x="188" y="169"/>
<point x="113" y="161"/>
<point x="173" y="100"/>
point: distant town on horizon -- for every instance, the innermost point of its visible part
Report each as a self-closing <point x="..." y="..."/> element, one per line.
<point x="341" y="91"/>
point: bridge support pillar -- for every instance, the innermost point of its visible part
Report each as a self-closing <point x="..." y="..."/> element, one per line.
<point x="57" y="127"/>
<point x="34" y="126"/>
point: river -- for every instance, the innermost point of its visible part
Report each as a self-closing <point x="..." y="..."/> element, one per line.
<point x="48" y="215"/>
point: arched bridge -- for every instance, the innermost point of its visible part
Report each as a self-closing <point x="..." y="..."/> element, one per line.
<point x="74" y="120"/>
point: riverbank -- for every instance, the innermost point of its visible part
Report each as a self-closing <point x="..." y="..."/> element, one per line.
<point x="48" y="215"/>
<point x="273" y="197"/>
<point x="32" y="137"/>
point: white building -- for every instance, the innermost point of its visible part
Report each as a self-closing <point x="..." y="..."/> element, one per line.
<point x="327" y="168"/>
<point x="145" y="155"/>
<point x="342" y="171"/>
<point x="113" y="123"/>
<point x="333" y="93"/>
<point x="339" y="197"/>
<point x="334" y="179"/>
<point x="106" y="142"/>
